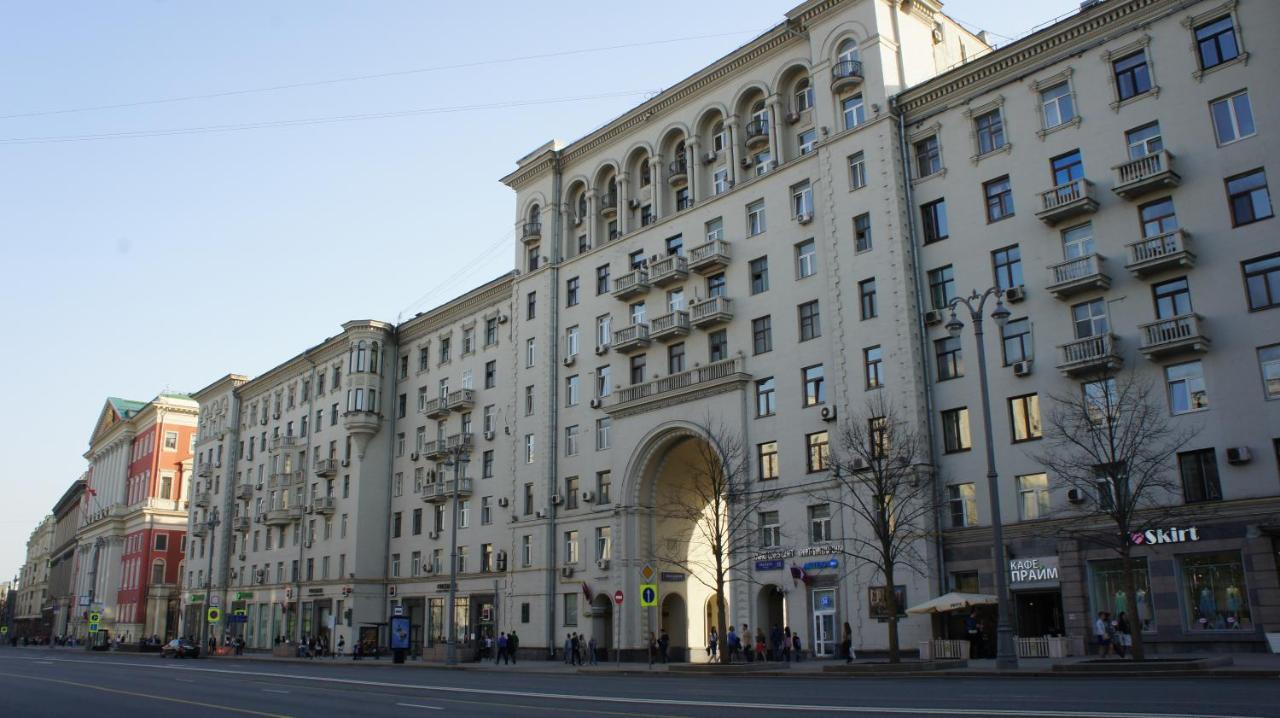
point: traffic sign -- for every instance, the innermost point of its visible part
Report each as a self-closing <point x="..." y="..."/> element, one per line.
<point x="214" y="614"/>
<point x="648" y="595"/>
<point x="397" y="610"/>
<point x="4" y="630"/>
<point x="647" y="572"/>
<point x="215" y="599"/>
<point x="617" y="597"/>
<point x="95" y="617"/>
<point x="93" y="627"/>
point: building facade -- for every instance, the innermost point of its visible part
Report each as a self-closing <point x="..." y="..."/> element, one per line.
<point x="62" y="559"/>
<point x="32" y="614"/>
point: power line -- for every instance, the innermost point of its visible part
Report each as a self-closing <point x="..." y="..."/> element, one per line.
<point x="457" y="276"/>
<point x="302" y="122"/>
<point x="360" y="78"/>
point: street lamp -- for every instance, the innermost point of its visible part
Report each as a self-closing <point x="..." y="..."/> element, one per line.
<point x="458" y="458"/>
<point x="1006" y="653"/>
<point x="211" y="523"/>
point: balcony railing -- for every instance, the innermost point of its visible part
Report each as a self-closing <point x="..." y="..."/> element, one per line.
<point x="1066" y="201"/>
<point x="244" y="492"/>
<point x="284" y="442"/>
<point x="436" y="408"/>
<point x="1091" y="354"/>
<point x="240" y="524"/>
<point x="670" y="325"/>
<point x="200" y="529"/>
<point x="608" y="205"/>
<point x="711" y="311"/>
<point x="757" y="132"/>
<point x="669" y="269"/>
<point x="678" y="172"/>
<point x="1161" y="252"/>
<point x="1078" y="275"/>
<point x="631" y="338"/>
<point x="846" y="74"/>
<point x="531" y="232"/>
<point x="709" y="258"/>
<point x="631" y="284"/>
<point x="204" y="469"/>
<point x="460" y="441"/>
<point x="202" y="499"/>
<point x="324" y="505"/>
<point x="434" y="449"/>
<point x="280" y="517"/>
<point x="326" y="467"/>
<point x="1148" y="173"/>
<point x="461" y="399"/>
<point x="1177" y="335"/>
<point x="441" y="491"/>
<point x="725" y="370"/>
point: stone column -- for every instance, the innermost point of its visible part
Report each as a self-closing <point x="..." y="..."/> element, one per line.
<point x="624" y="201"/>
<point x="656" y="179"/>
<point x="731" y="148"/>
<point x="775" y="128"/>
<point x="592" y="219"/>
<point x="693" y="161"/>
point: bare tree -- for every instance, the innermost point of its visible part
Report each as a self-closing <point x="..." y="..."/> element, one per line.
<point x="718" y="499"/>
<point x="1112" y="446"/>
<point x="882" y="478"/>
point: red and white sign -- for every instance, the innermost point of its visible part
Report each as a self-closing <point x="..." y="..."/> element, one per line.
<point x="617" y="597"/>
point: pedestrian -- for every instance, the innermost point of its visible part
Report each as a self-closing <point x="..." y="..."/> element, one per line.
<point x="568" y="646"/>
<point x="796" y="646"/>
<point x="1102" y="634"/>
<point x="213" y="645"/>
<point x="653" y="648"/>
<point x="786" y="644"/>
<point x="731" y="644"/>
<point x="748" y="644"/>
<point x="775" y="643"/>
<point x="591" y="650"/>
<point x="761" y="650"/>
<point x="502" y="649"/>
<point x="513" y="643"/>
<point x="664" y="644"/>
<point x="576" y="646"/>
<point x="342" y="645"/>
<point x="846" y="643"/>
<point x="1123" y="640"/>
<point x="713" y="645"/>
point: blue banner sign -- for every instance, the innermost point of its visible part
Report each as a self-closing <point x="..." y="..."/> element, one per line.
<point x="815" y="565"/>
<point x="771" y="565"/>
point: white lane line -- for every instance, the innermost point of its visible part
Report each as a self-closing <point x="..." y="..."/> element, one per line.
<point x="792" y="707"/>
<point x="417" y="705"/>
<point x="273" y="690"/>
<point x="45" y="663"/>
<point x="184" y="680"/>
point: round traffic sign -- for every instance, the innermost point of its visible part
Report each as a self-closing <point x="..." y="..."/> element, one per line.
<point x="617" y="597"/>
<point x="214" y="615"/>
<point x="648" y="595"/>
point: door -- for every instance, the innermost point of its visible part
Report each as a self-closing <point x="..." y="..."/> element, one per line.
<point x="824" y="622"/>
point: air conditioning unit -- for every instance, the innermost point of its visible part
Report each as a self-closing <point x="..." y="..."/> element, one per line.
<point x="577" y="221"/>
<point x="413" y="456"/>
<point x="217" y="463"/>
<point x="514" y="518"/>
<point x="1238" y="455"/>
<point x="1075" y="496"/>
<point x="233" y="573"/>
<point x="502" y="318"/>
<point x="346" y="463"/>
<point x="745" y="161"/>
<point x="488" y="435"/>
<point x="1022" y="368"/>
<point x="566" y="572"/>
<point x="500" y="561"/>
<point x="503" y="502"/>
<point x="540" y="514"/>
<point x="428" y="569"/>
<point x="804" y="217"/>
<point x="933" y="316"/>
<point x="858" y="463"/>
<point x="792" y="117"/>
<point x="828" y="413"/>
<point x="1013" y="295"/>
<point x="306" y="544"/>
<point x="595" y="403"/>
<point x="588" y="496"/>
<point x="275" y="415"/>
<point x="433" y="535"/>
<point x="264" y="420"/>
<point x="708" y="157"/>
<point x="602" y="349"/>
<point x="568" y="361"/>
<point x="241" y="557"/>
<point x="633" y="203"/>
<point x="556" y="499"/>
<point x="602" y="564"/>
<point x="258" y="486"/>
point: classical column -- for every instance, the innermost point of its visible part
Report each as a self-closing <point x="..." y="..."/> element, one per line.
<point x="624" y="201"/>
<point x="656" y="178"/>
<point x="775" y="129"/>
<point x="693" y="161"/>
<point x="592" y="219"/>
<point x="731" y="147"/>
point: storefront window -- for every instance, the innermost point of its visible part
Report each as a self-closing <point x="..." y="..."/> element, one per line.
<point x="1107" y="592"/>
<point x="1214" y="595"/>
<point x="435" y="621"/>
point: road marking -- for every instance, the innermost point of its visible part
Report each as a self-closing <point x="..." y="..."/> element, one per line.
<point x="791" y="707"/>
<point x="273" y="690"/>
<point x="417" y="705"/>
<point x="45" y="663"/>
<point x="147" y="695"/>
<point x="184" y="680"/>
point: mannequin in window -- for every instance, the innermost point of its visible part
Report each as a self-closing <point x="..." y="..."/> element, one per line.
<point x="1208" y="605"/>
<point x="1121" y="600"/>
<point x="1233" y="605"/>
<point x="1144" y="610"/>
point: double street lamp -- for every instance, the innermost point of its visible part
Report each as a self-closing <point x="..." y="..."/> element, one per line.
<point x="1006" y="653"/>
<point x="458" y="458"/>
<point x="211" y="525"/>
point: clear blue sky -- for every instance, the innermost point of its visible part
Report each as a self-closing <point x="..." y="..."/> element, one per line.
<point x="137" y="265"/>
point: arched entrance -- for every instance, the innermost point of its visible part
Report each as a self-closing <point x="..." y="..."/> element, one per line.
<point x="771" y="607"/>
<point x="675" y="621"/>
<point x="602" y="625"/>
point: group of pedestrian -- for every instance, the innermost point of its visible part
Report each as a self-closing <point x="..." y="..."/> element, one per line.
<point x="507" y="645"/>
<point x="577" y="646"/>
<point x="1112" y="635"/>
<point x="781" y="645"/>
<point x="659" y="647"/>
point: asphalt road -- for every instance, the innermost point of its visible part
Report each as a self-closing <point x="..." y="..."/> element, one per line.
<point x="69" y="683"/>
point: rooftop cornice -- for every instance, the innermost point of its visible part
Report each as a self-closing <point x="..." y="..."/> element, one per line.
<point x="293" y="367"/>
<point x="228" y="382"/>
<point x="496" y="291"/>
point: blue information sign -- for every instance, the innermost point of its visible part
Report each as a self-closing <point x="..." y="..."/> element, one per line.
<point x="815" y="565"/>
<point x="773" y="565"/>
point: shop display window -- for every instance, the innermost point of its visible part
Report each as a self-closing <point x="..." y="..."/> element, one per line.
<point x="1214" y="596"/>
<point x="1107" y="593"/>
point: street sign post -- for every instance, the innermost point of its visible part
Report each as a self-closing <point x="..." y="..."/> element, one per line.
<point x="617" y="597"/>
<point x="214" y="614"/>
<point x="648" y="595"/>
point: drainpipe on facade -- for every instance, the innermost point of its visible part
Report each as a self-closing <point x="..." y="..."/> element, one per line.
<point x="553" y="398"/>
<point x="302" y="520"/>
<point x="232" y="460"/>
<point x="386" y="549"/>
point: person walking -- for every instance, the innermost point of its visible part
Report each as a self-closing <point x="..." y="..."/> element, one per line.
<point x="575" y="645"/>
<point x="731" y="644"/>
<point x="1102" y="634"/>
<point x="513" y="642"/>
<point x="796" y="647"/>
<point x="664" y="644"/>
<point x="502" y="648"/>
<point x="342" y="646"/>
<point x="713" y="645"/>
<point x="653" y="648"/>
<point x="786" y="644"/>
<point x="568" y="646"/>
<point x="592" y="649"/>
<point x="1122" y="638"/>
<point x="775" y="643"/>
<point x="761" y="650"/>
<point x="846" y="643"/>
<point x="748" y="644"/>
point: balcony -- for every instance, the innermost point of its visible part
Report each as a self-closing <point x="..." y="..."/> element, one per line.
<point x="324" y="505"/>
<point x="437" y="408"/>
<point x="1082" y="274"/>
<point x="1150" y="173"/>
<point x="326" y="467"/>
<point x="462" y="441"/>
<point x="284" y="479"/>
<point x="709" y="258"/>
<point x="1066" y="201"/>
<point x="689" y="385"/>
<point x="711" y="311"/>
<point x="283" y="517"/>
<point x="435" y="449"/>
<point x="845" y="75"/>
<point x="200" y="529"/>
<point x="609" y="205"/>
<point x="438" y="492"/>
<point x="1090" y="355"/>
<point x="461" y="399"/>
<point x="757" y="134"/>
<point x="631" y="338"/>
<point x="632" y="284"/>
<point x="1160" y="253"/>
<point x="671" y="325"/>
<point x="244" y="492"/>
<point x="531" y="232"/>
<point x="1170" y="337"/>
<point x="678" y="172"/>
<point x="284" y="443"/>
<point x="668" y="270"/>
<point x="204" y="469"/>
<point x="362" y="422"/>
<point x="240" y="524"/>
<point x="202" y="499"/>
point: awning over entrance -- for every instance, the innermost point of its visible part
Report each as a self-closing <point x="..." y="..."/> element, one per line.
<point x="952" y="601"/>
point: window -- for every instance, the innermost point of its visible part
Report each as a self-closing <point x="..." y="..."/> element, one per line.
<point x="862" y="232"/>
<point x="810" y="324"/>
<point x="604" y="543"/>
<point x="999" y="196"/>
<point x="1187" y="391"/>
<point x="604" y="482"/>
<point x="1077" y="241"/>
<point x="759" y="275"/>
<point x="1269" y="362"/>
<point x="526" y="556"/>
<point x="820" y="523"/>
<point x="805" y="141"/>
<point x="1158" y="217"/>
<point x="570" y="609"/>
<point x="528" y="499"/>
<point x="490" y="332"/>
<point x="1132" y="75"/>
<point x="490" y="374"/>
<point x="486" y="464"/>
<point x="955" y="430"/>
<point x="528" y="448"/>
<point x="637" y="369"/>
<point x="604" y="430"/>
<point x="1090" y="319"/>
<point x="761" y="335"/>
<point x="767" y="459"/>
<point x="675" y="358"/>
<point x="760" y="161"/>
<point x="604" y="336"/>
<point x="806" y="259"/>
<point x="720" y="181"/>
<point x="867" y="298"/>
<point x="170" y="441"/>
<point x="1101" y="401"/>
<point x="571" y="486"/>
<point x="770" y="529"/>
<point x="802" y="200"/>
<point x="814" y="385"/>
<point x="857" y="171"/>
<point x="1007" y="263"/>
<point x="933" y="218"/>
<point x="962" y="499"/>
<point x="1172" y="298"/>
<point x="714" y="230"/>
<point x="1024" y="417"/>
<point x="1216" y="42"/>
<point x="1249" y="197"/>
<point x="1066" y="169"/>
<point x="1232" y="117"/>
<point x="1033" y="496"/>
<point x="1016" y="336"/>
<point x="990" y="130"/>
<point x="767" y="400"/>
<point x="647" y="217"/>
<point x="528" y="400"/>
<point x="604" y="381"/>
<point x="928" y="156"/>
<point x="571" y="440"/>
<point x="718" y="342"/>
<point x="602" y="279"/>
<point x="873" y="367"/>
<point x="717" y="286"/>
<point x="1057" y="105"/>
<point x="1262" y="281"/>
<point x="1144" y="140"/>
<point x="571" y="292"/>
<point x="1215" y="593"/>
<point x="755" y="218"/>
<point x="1199" y="470"/>
<point x="853" y="111"/>
<point x="571" y="390"/>
<point x="950" y="361"/>
<point x="530" y="351"/>
<point x="803" y="96"/>
<point x="942" y="287"/>
<point x="571" y="547"/>
<point x="818" y="451"/>
<point x="531" y="305"/>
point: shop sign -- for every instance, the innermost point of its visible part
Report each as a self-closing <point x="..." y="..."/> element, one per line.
<point x="197" y="598"/>
<point x="244" y="595"/>
<point x="823" y="549"/>
<point x="1169" y="535"/>
<point x="815" y="565"/>
<point x="770" y="565"/>
<point x="442" y="587"/>
<point x="1027" y="572"/>
<point x="671" y="576"/>
<point x="315" y="591"/>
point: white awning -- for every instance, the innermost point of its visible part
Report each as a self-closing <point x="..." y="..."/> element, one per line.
<point x="953" y="601"/>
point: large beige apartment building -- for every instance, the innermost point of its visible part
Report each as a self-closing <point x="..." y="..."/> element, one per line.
<point x="762" y="248"/>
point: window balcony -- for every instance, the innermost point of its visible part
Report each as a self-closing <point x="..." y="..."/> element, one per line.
<point x="1066" y="201"/>
<point x="1090" y="355"/>
<point x="240" y="524"/>
<point x="1082" y="274"/>
<point x="283" y="517"/>
<point x="1170" y="337"/>
<point x="757" y="134"/>
<point x="362" y="422"/>
<point x="461" y="399"/>
<point x="709" y="258"/>
<point x="435" y="450"/>
<point x="284" y="443"/>
<point x="285" y="479"/>
<point x="438" y="492"/>
<point x="437" y="408"/>
<point x="1150" y="173"/>
<point x="609" y="205"/>
<point x="668" y="270"/>
<point x="690" y="385"/>
<point x="462" y="441"/>
<point x="711" y="311"/>
<point x="324" y="505"/>
<point x="846" y="75"/>
<point x="678" y="172"/>
<point x="632" y="338"/>
<point x="531" y="232"/>
<point x="204" y="469"/>
<point x="202" y="499"/>
<point x="200" y="529"/>
<point x="632" y="284"/>
<point x="326" y="467"/>
<point x="1160" y="253"/>
<point x="244" y="492"/>
<point x="671" y="325"/>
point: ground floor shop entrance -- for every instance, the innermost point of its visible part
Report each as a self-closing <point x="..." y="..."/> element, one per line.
<point x="826" y="637"/>
<point x="1039" y="614"/>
